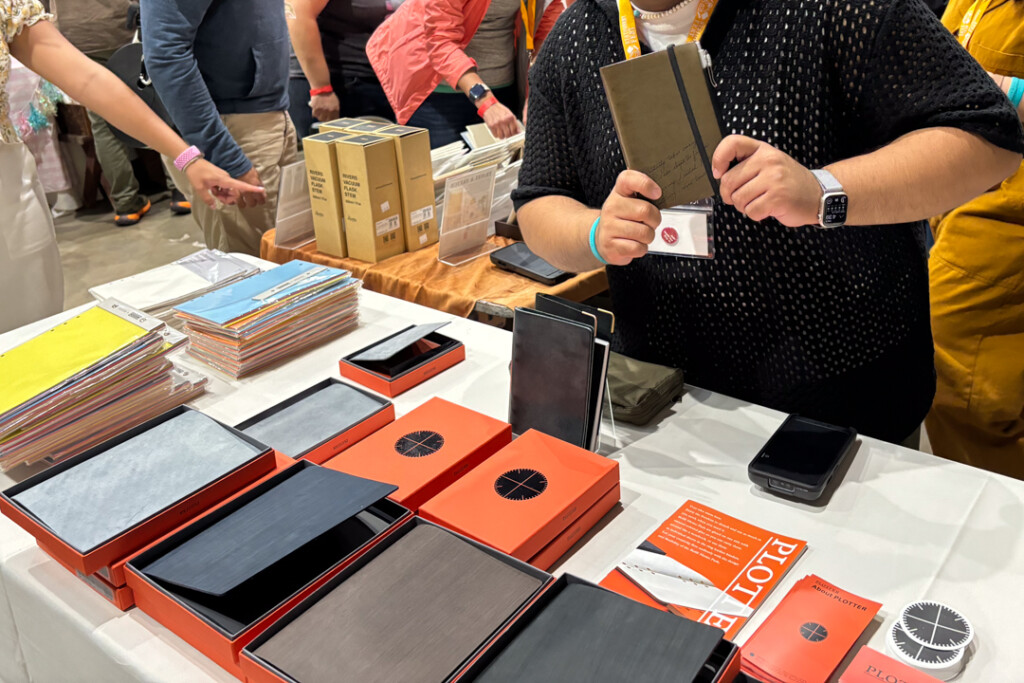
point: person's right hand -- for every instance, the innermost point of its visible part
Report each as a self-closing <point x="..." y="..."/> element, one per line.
<point x="501" y="121"/>
<point x="213" y="184"/>
<point x="628" y="222"/>
<point x="325" y="107"/>
<point x="252" y="198"/>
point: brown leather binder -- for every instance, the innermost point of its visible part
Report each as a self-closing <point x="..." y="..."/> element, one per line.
<point x="664" y="114"/>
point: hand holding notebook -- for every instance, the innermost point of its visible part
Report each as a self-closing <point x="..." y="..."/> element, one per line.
<point x="665" y="117"/>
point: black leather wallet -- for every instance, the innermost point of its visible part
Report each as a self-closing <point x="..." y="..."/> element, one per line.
<point x="520" y="260"/>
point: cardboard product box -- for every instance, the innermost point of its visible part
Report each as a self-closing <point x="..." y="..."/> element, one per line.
<point x="403" y="360"/>
<point x="222" y="580"/>
<point x="716" y="662"/>
<point x="342" y="124"/>
<point x="415" y="176"/>
<point x="529" y="495"/>
<point x="319" y="422"/>
<point x="371" y="197"/>
<point x="259" y="670"/>
<point x="325" y="191"/>
<point x="426" y="450"/>
<point x="368" y="127"/>
<point x="114" y="550"/>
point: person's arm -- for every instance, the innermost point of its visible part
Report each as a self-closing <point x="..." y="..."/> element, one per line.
<point x="1004" y="84"/>
<point x="444" y="31"/>
<point x="45" y="51"/>
<point x="305" y="35"/>
<point x="168" y="32"/>
<point x="922" y="174"/>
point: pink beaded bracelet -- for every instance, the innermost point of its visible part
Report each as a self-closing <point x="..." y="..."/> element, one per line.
<point x="187" y="157"/>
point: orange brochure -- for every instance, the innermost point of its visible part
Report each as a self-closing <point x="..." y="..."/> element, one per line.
<point x="871" y="666"/>
<point x="706" y="566"/>
<point x="808" y="634"/>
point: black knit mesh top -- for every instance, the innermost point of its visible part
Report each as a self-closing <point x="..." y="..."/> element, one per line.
<point x="831" y="324"/>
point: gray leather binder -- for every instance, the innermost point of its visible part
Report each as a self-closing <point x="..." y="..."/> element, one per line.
<point x="412" y="614"/>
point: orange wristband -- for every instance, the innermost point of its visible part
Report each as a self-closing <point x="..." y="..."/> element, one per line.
<point x="488" y="103"/>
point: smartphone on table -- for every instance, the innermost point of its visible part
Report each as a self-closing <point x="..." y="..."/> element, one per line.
<point x="801" y="457"/>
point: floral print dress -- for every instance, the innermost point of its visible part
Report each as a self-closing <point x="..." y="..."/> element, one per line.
<point x="14" y="16"/>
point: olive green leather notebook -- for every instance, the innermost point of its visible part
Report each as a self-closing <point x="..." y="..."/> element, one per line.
<point x="665" y="117"/>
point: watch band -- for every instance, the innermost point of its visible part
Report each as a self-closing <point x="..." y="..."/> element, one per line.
<point x="187" y="157"/>
<point x="827" y="181"/>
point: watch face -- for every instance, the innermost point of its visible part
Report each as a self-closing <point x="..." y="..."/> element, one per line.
<point x="477" y="92"/>
<point x="834" y="209"/>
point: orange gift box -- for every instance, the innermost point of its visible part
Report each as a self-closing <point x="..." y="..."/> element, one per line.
<point x="425" y="450"/>
<point x="408" y="368"/>
<point x="120" y="596"/>
<point x="526" y="499"/>
<point x="196" y="628"/>
<point x="329" y="448"/>
<point x="150" y="529"/>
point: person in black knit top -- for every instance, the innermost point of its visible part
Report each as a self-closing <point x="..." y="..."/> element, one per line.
<point x="829" y="323"/>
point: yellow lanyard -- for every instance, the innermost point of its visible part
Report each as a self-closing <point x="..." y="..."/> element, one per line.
<point x="971" y="20"/>
<point x="627" y="25"/>
<point x="529" y="15"/>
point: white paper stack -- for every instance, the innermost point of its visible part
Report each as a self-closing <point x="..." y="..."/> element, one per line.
<point x="159" y="290"/>
<point x="442" y="155"/>
<point x="85" y="380"/>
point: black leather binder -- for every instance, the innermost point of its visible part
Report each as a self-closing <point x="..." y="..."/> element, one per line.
<point x="558" y="372"/>
<point x="587" y="634"/>
<point x="248" y="561"/>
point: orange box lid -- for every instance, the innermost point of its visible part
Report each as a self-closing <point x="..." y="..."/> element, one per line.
<point x="425" y="450"/>
<point x="521" y="498"/>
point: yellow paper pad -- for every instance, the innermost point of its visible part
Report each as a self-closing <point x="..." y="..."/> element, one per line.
<point x="60" y="353"/>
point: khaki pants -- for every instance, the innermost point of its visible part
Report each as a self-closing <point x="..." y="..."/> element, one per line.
<point x="269" y="141"/>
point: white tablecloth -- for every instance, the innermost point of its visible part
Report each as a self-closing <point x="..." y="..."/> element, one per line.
<point x="903" y="525"/>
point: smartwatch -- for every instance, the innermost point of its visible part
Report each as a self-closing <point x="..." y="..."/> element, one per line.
<point x="478" y="92"/>
<point x="834" y="202"/>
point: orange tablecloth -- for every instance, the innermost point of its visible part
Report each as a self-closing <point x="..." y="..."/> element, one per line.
<point x="419" y="277"/>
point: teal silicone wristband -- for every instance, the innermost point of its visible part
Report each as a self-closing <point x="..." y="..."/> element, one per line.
<point x="1016" y="91"/>
<point x="593" y="241"/>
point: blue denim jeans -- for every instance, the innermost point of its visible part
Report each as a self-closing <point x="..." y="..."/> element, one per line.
<point x="446" y="115"/>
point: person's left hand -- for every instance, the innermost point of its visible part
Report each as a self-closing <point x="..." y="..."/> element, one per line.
<point x="213" y="184"/>
<point x="766" y="182"/>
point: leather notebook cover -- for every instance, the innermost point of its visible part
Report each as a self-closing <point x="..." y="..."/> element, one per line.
<point x="581" y="313"/>
<point x="662" y="111"/>
<point x="412" y="614"/>
<point x="590" y="635"/>
<point x="403" y="351"/>
<point x="524" y="495"/>
<point x="312" y="420"/>
<point x="552" y="369"/>
<point x="106" y="495"/>
<point x="250" y="560"/>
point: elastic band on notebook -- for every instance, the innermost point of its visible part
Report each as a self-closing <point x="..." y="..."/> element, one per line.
<point x="671" y="49"/>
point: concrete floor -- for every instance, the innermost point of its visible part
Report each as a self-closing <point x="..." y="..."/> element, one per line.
<point x="95" y="251"/>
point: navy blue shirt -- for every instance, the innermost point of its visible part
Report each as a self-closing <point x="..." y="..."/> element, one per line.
<point x="214" y="57"/>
